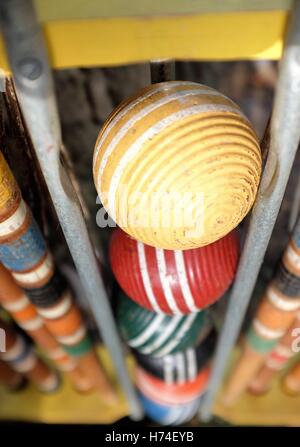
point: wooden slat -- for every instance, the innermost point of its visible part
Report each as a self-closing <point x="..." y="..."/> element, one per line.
<point x="87" y="9"/>
<point x="119" y="41"/>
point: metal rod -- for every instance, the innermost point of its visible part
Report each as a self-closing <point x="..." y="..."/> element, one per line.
<point x="30" y="67"/>
<point x="285" y="134"/>
<point x="162" y="70"/>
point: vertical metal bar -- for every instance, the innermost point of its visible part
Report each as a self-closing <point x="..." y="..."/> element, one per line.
<point x="29" y="62"/>
<point x="162" y="70"/>
<point x="285" y="134"/>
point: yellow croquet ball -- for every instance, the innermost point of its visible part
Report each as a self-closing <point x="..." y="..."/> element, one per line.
<point x="177" y="166"/>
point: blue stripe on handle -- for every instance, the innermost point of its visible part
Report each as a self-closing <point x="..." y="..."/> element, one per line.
<point x="25" y="252"/>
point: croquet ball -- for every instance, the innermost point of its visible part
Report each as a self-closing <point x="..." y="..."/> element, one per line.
<point x="171" y="394"/>
<point x="180" y="367"/>
<point x="169" y="414"/>
<point x="177" y="165"/>
<point x="173" y="281"/>
<point x="158" y="334"/>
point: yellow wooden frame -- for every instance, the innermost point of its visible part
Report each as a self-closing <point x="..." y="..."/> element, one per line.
<point x="108" y="41"/>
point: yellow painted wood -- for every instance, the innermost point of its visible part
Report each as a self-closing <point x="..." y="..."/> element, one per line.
<point x="177" y="165"/>
<point x="66" y="405"/>
<point x="118" y="41"/>
<point x="92" y="9"/>
<point x="275" y="408"/>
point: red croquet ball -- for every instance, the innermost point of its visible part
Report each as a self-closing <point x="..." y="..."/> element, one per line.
<point x="165" y="393"/>
<point x="174" y="281"/>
